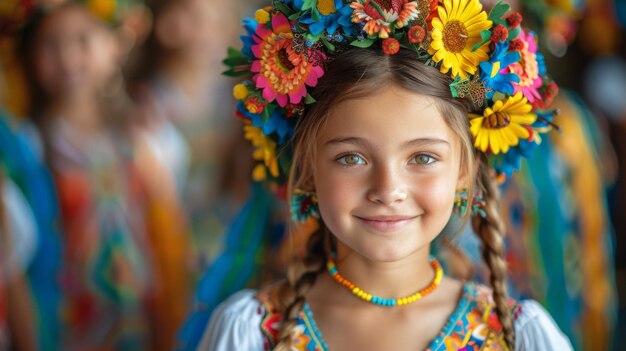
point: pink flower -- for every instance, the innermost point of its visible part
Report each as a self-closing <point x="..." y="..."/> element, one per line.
<point x="527" y="68"/>
<point x="283" y="73"/>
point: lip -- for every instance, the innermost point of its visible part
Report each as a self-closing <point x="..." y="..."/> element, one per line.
<point x="386" y="224"/>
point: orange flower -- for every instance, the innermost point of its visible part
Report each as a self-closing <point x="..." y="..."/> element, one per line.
<point x="416" y="34"/>
<point x="391" y="46"/>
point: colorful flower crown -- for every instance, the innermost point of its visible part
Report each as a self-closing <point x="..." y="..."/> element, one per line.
<point x="492" y="60"/>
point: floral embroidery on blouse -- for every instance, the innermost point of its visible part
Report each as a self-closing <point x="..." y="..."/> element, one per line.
<point x="474" y="326"/>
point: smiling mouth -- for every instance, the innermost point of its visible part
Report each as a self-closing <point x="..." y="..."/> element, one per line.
<point x="387" y="224"/>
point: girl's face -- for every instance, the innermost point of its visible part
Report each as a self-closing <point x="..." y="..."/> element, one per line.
<point x="386" y="170"/>
<point x="73" y="53"/>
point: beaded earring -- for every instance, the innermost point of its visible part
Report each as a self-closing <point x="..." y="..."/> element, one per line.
<point x="303" y="205"/>
<point x="461" y="199"/>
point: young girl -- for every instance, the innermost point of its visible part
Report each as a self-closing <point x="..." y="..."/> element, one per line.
<point x="417" y="108"/>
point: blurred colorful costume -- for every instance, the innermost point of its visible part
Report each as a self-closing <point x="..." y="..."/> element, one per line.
<point x="106" y="273"/>
<point x="32" y="208"/>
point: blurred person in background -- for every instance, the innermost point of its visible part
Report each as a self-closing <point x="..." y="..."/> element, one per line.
<point x="175" y="78"/>
<point x="29" y="238"/>
<point x="71" y="56"/>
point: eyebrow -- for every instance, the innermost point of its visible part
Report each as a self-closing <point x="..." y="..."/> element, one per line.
<point x="363" y="142"/>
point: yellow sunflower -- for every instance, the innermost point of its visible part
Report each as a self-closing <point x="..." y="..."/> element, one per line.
<point x="502" y="125"/>
<point x="455" y="31"/>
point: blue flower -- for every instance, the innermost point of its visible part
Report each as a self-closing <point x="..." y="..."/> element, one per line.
<point x="491" y="71"/>
<point x="274" y="123"/>
<point x="325" y="15"/>
<point x="248" y="39"/>
<point x="511" y="161"/>
<point x="541" y="63"/>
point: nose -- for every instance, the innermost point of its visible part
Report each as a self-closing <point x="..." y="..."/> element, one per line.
<point x="387" y="186"/>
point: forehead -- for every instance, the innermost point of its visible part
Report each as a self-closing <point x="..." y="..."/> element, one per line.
<point x="389" y="117"/>
<point x="68" y="20"/>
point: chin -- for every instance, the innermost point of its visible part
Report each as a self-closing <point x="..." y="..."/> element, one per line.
<point x="389" y="251"/>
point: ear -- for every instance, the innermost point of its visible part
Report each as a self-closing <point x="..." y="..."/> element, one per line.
<point x="468" y="173"/>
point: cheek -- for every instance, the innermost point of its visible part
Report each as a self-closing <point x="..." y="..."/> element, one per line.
<point x="46" y="64"/>
<point x="436" y="194"/>
<point x="337" y="193"/>
<point x="101" y="59"/>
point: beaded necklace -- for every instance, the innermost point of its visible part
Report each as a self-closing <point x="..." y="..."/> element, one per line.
<point x="356" y="291"/>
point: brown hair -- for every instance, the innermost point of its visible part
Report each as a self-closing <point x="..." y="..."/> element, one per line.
<point x="356" y="73"/>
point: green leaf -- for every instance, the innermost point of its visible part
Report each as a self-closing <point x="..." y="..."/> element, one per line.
<point x="314" y="38"/>
<point x="233" y="72"/>
<point x="266" y="114"/>
<point x="232" y="52"/>
<point x="284" y="162"/>
<point x="309" y="99"/>
<point x="315" y="16"/>
<point x="280" y="6"/>
<point x="235" y="61"/>
<point x="485" y="35"/>
<point x="328" y="44"/>
<point x="294" y="16"/>
<point x="514" y="33"/>
<point x="453" y="89"/>
<point x="238" y="64"/>
<point x="308" y="4"/>
<point x="498" y="10"/>
<point x="365" y="43"/>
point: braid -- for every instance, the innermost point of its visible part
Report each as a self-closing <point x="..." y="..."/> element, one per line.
<point x="490" y="230"/>
<point x="301" y="275"/>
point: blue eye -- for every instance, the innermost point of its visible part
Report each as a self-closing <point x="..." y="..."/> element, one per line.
<point x="423" y="159"/>
<point x="351" y="160"/>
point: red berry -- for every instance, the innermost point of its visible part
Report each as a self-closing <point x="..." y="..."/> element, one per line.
<point x="499" y="33"/>
<point x="416" y="34"/>
<point x="516" y="45"/>
<point x="391" y="46"/>
<point x="514" y="19"/>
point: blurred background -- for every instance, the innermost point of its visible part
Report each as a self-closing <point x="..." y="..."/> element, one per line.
<point x="127" y="212"/>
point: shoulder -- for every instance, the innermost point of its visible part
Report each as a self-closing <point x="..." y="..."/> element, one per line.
<point x="536" y="330"/>
<point x="245" y="321"/>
